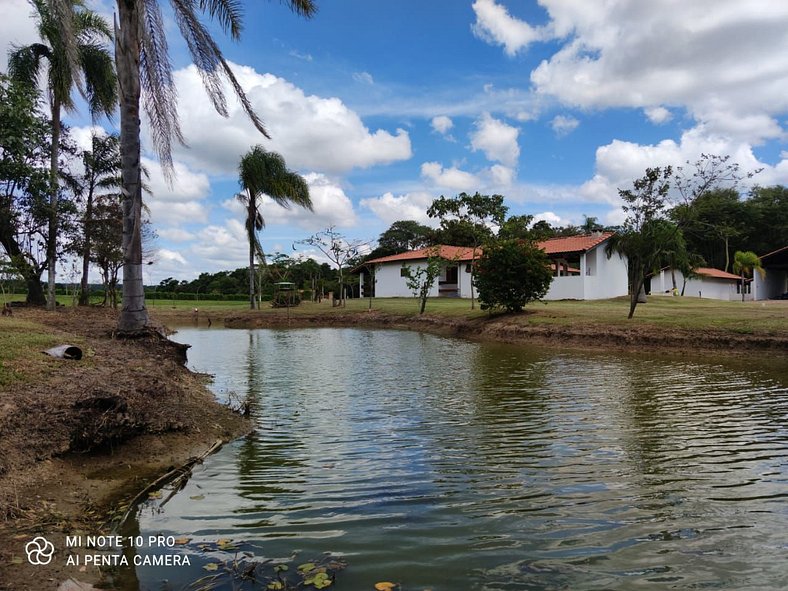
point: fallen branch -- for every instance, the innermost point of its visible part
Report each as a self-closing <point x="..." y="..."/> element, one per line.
<point x="179" y="475"/>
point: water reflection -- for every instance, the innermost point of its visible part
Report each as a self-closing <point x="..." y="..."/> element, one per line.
<point x="445" y="464"/>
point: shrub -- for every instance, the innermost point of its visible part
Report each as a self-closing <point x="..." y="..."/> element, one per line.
<point x="511" y="273"/>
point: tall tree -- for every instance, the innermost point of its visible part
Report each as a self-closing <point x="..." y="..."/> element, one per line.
<point x="401" y="236"/>
<point x="73" y="44"/>
<point x="646" y="235"/>
<point x="746" y="263"/>
<point x="101" y="177"/>
<point x="265" y="173"/>
<point x="24" y="137"/>
<point x="477" y="212"/>
<point x="143" y="67"/>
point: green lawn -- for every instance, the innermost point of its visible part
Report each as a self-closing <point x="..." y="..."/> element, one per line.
<point x="769" y="317"/>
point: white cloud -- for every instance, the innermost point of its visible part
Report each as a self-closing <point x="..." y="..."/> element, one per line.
<point x="501" y="176"/>
<point x="187" y="185"/>
<point x="563" y="125"/>
<point x="16" y="28"/>
<point x="311" y="132"/>
<point x="498" y="140"/>
<point x="449" y="178"/>
<point x="658" y="115"/>
<point x="222" y="247"/>
<point x="549" y="217"/>
<point x="307" y="57"/>
<point x="442" y="124"/>
<point x="410" y="206"/>
<point x="175" y="234"/>
<point x="364" y="78"/>
<point x="164" y="212"/>
<point x="496" y="26"/>
<point x="616" y="55"/>
<point x="164" y="255"/>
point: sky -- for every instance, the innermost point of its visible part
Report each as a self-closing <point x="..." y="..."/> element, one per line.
<point x="384" y="106"/>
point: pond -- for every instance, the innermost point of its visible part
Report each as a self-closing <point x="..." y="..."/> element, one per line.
<point x="446" y="465"/>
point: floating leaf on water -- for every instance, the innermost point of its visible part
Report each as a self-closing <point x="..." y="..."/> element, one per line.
<point x="385" y="586"/>
<point x="211" y="566"/>
<point x="197" y="497"/>
<point x="306" y="567"/>
<point x="322" y="584"/>
<point x="156" y="494"/>
<point x="280" y="567"/>
<point x="182" y="541"/>
<point x="276" y="585"/>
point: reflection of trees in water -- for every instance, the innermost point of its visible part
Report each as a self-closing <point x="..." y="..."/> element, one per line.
<point x="265" y="457"/>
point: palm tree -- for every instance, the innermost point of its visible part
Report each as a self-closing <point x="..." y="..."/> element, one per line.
<point x="745" y="263"/>
<point x="143" y="67"/>
<point x="73" y="45"/>
<point x="102" y="175"/>
<point x="265" y="173"/>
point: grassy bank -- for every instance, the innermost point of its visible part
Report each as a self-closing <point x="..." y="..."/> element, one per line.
<point x="768" y="318"/>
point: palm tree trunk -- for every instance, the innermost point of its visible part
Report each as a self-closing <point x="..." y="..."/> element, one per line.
<point x="134" y="316"/>
<point x="250" y="219"/>
<point x="54" y="157"/>
<point x="84" y="298"/>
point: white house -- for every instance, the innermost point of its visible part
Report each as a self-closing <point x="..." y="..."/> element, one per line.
<point x="775" y="283"/>
<point x="582" y="270"/>
<point x="705" y="282"/>
<point x="454" y="280"/>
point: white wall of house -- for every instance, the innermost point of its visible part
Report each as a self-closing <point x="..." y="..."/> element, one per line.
<point x="774" y="284"/>
<point x="703" y="287"/>
<point x="600" y="278"/>
<point x="389" y="282"/>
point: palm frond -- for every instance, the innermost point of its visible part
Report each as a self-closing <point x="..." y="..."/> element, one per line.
<point x="24" y="63"/>
<point x="101" y="83"/>
<point x="228" y="12"/>
<point x="305" y="8"/>
<point x="159" y="94"/>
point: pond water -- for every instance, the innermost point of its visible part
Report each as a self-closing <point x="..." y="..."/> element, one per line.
<point x="448" y="465"/>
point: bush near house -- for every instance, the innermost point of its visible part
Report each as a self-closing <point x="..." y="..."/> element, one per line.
<point x="511" y="273"/>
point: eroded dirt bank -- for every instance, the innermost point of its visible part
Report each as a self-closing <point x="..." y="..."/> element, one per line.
<point x="516" y="329"/>
<point x="79" y="437"/>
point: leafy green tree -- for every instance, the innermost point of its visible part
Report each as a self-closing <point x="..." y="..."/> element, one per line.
<point x="143" y="67"/>
<point x="746" y="263"/>
<point x="646" y="235"/>
<point x="402" y="236"/>
<point x="510" y="273"/>
<point x="516" y="227"/>
<point x="477" y="213"/>
<point x="767" y="218"/>
<point x="421" y="278"/>
<point x="24" y="183"/>
<point x="73" y="43"/>
<point x="265" y="173"/>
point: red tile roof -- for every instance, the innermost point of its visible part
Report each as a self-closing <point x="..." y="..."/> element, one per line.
<point x="716" y="273"/>
<point x="451" y="253"/>
<point x="564" y="245"/>
<point x="567" y="244"/>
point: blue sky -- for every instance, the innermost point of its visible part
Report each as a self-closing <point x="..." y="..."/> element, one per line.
<point x="384" y="106"/>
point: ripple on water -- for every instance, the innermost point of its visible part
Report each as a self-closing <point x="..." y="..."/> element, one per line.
<point x="452" y="465"/>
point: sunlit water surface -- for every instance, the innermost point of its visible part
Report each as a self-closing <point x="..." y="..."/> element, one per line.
<point x="448" y="465"/>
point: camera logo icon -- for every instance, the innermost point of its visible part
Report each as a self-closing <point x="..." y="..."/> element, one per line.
<point x="39" y="551"/>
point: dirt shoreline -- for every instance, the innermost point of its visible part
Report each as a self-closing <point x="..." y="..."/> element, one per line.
<point x="508" y="328"/>
<point x="86" y="436"/>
